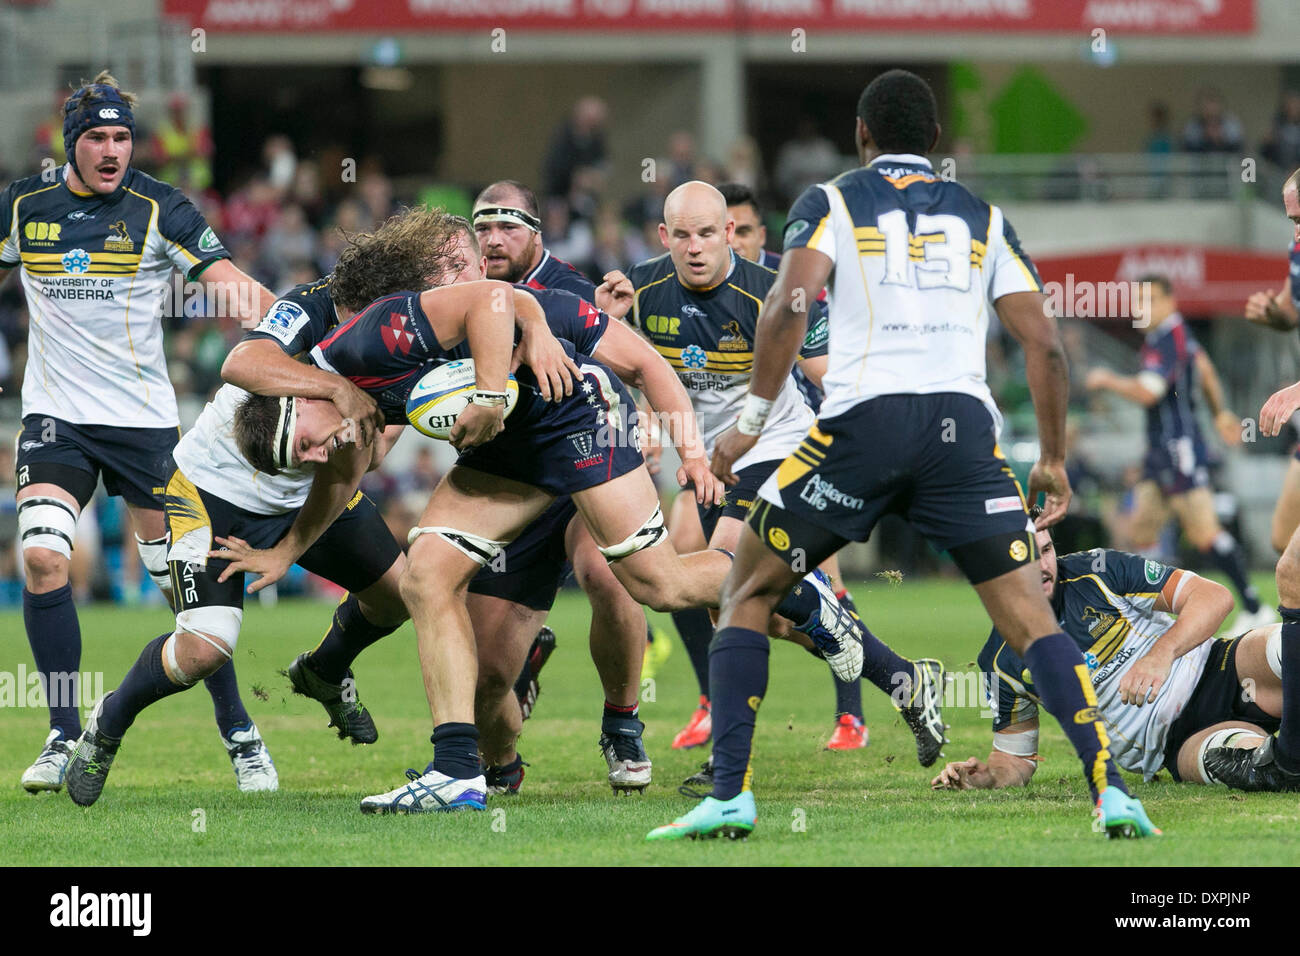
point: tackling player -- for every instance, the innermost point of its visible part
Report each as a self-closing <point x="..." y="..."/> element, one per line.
<point x="96" y="248"/>
<point x="1174" y="473"/>
<point x="1166" y="691"/>
<point x="213" y="492"/>
<point x="908" y="426"/>
<point x="698" y="304"/>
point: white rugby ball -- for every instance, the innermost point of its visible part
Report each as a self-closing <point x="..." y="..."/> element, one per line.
<point x="441" y="395"/>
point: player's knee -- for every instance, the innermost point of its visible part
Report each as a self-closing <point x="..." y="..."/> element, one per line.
<point x="422" y="586"/>
<point x="190" y="656"/>
<point x="1288" y="579"/>
<point x="46" y="570"/>
<point x="598" y="582"/>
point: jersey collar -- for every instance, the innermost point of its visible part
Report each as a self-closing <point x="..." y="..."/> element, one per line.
<point x="1167" y="326"/>
<point x="708" y="288"/>
<point x="900" y="159"/>
<point x="546" y="254"/>
<point x="93" y="196"/>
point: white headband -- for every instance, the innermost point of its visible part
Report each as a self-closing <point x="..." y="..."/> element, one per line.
<point x="282" y="452"/>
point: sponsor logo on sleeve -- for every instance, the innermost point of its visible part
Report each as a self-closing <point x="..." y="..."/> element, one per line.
<point x="283" y="320"/>
<point x="1153" y="570"/>
<point x="795" y="230"/>
<point x="993" y="506"/>
<point x="208" y="242"/>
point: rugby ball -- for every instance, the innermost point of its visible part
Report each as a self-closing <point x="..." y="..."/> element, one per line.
<point x="442" y="393"/>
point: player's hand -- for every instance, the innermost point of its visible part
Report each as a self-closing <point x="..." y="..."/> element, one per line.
<point x="1279" y="408"/>
<point x="271" y="564"/>
<point x="1144" y="678"/>
<point x="1259" y="307"/>
<point x="614" y="295"/>
<point x="1051" y="480"/>
<point x="1228" y="425"/>
<point x="542" y="352"/>
<point x="968" y="774"/>
<point x="1097" y="378"/>
<point x="356" y="406"/>
<point x="708" y="489"/>
<point x="477" y="425"/>
<point x="731" y="445"/>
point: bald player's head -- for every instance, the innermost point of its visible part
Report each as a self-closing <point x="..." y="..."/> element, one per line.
<point x="697" y="231"/>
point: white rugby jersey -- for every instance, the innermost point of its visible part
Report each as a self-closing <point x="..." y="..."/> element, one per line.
<point x="1106" y="604"/>
<point x="95" y="270"/>
<point x="707" y="336"/>
<point x="918" y="262"/>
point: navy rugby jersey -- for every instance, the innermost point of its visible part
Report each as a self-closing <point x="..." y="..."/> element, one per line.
<point x="1169" y="351"/>
<point x="553" y="273"/>
<point x="385" y="348"/>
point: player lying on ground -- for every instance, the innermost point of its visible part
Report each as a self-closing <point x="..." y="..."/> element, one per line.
<point x="1167" y="692"/>
<point x="908" y="427"/>
<point x="699" y="304"/>
<point x="498" y="487"/>
<point x="214" y="492"/>
<point x="96" y="399"/>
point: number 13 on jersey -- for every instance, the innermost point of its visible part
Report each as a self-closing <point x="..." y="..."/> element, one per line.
<point x="937" y="256"/>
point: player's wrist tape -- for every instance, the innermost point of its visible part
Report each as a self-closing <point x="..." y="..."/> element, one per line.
<point x="489" y="399"/>
<point x="754" y="415"/>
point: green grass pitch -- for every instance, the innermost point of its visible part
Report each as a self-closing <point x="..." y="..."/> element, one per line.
<point x="171" y="799"/>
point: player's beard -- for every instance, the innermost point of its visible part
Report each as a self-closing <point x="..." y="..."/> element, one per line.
<point x="511" y="270"/>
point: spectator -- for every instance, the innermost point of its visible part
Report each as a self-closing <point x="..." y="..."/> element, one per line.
<point x="682" y="165"/>
<point x="807" y="159"/>
<point x="1160" y="139"/>
<point x="580" y="141"/>
<point x="183" y="151"/>
<point x="280" y="163"/>
<point x="744" y="164"/>
<point x="1282" y="148"/>
<point x="1212" y="129"/>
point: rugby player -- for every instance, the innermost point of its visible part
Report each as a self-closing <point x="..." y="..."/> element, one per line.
<point x="694" y="626"/>
<point x="908" y="426"/>
<point x="508" y="231"/>
<point x="506" y="476"/>
<point x="1166" y="691"/>
<point x="1281" y="311"/>
<point x="96" y="246"/>
<point x="1275" y="764"/>
<point x="1175" y="476"/>
<point x="214" y="492"/>
<point x="698" y="304"/>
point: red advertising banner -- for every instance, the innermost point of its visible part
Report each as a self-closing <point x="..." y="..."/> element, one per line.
<point x="1207" y="281"/>
<point x="1183" y="17"/>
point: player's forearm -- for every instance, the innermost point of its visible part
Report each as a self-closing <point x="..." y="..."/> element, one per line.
<point x="262" y="367"/>
<point x="490" y="334"/>
<point x="668" y="398"/>
<point x="1129" y="388"/>
<point x="1210" y="384"/>
<point x="331" y="489"/>
<point x="779" y="334"/>
<point x="1048" y="376"/>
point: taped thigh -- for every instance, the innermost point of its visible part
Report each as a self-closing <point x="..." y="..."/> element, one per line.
<point x="477" y="548"/>
<point x="45" y="522"/>
<point x="215" y="625"/>
<point x="647" y="536"/>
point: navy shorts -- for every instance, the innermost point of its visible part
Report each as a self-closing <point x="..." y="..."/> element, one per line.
<point x="932" y="459"/>
<point x="534" y="565"/>
<point x="739" y="499"/>
<point x="134" y="462"/>
<point x="354" y="552"/>
<point x="1218" y="697"/>
<point x="585" y="440"/>
<point x="1177" y="466"/>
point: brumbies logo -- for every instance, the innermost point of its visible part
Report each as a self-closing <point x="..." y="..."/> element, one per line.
<point x="732" y="339"/>
<point x="119" y="240"/>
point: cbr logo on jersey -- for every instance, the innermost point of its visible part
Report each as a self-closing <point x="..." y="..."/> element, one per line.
<point x="396" y="336"/>
<point x="108" y="112"/>
<point x="694" y="357"/>
<point x="662" y="324"/>
<point x="119" y="240"/>
<point x="76" y="260"/>
<point x="40" y="231"/>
